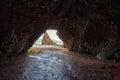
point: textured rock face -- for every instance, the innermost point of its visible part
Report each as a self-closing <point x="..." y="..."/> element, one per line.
<point x="98" y="37"/>
<point x="92" y="27"/>
<point x="85" y="26"/>
<point x="21" y="24"/>
<point x="99" y="41"/>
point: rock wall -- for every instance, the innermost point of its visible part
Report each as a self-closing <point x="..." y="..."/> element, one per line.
<point x="92" y="27"/>
<point x="85" y="26"/>
<point x="21" y="23"/>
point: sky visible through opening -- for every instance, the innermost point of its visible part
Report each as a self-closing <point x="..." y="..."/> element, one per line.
<point x="53" y="35"/>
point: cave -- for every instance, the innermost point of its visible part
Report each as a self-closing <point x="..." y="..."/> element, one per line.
<point x="89" y="27"/>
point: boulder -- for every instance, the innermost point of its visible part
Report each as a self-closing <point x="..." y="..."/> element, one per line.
<point x="47" y="40"/>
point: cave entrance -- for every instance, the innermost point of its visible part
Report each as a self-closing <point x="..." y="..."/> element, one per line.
<point x="49" y="38"/>
<point x="47" y="41"/>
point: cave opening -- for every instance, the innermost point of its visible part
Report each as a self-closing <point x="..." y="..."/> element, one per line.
<point x="49" y="37"/>
<point x="48" y="40"/>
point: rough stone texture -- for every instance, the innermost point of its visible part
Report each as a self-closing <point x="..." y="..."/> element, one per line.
<point x="21" y="24"/>
<point x="85" y="26"/>
<point x="92" y="27"/>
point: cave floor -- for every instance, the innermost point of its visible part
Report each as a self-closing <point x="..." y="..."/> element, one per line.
<point x="53" y="63"/>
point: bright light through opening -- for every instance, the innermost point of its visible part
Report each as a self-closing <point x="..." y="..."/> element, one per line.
<point x="53" y="35"/>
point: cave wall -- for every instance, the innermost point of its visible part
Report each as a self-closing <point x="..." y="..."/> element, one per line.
<point x="92" y="27"/>
<point x="21" y="23"/>
<point x="85" y="26"/>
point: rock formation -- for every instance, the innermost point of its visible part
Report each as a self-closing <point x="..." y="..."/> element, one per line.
<point x="47" y="40"/>
<point x="85" y="26"/>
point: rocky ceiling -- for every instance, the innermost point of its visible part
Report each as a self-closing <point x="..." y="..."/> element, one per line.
<point x="85" y="26"/>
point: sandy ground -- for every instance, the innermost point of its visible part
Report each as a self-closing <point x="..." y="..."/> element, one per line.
<point x="54" y="63"/>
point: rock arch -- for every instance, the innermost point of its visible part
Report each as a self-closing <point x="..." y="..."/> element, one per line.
<point x="85" y="26"/>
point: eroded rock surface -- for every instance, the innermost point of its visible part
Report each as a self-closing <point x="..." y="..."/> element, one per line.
<point x="85" y="26"/>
